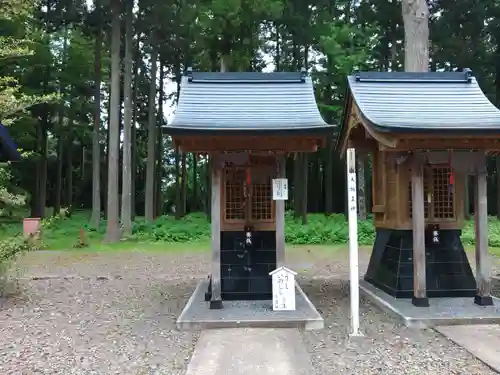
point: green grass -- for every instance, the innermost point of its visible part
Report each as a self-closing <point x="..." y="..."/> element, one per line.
<point x="193" y="233"/>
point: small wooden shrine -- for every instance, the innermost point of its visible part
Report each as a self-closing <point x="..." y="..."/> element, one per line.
<point x="247" y="123"/>
<point x="425" y="132"/>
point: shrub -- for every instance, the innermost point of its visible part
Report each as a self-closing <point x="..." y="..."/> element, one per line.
<point x="10" y="249"/>
<point x="64" y="232"/>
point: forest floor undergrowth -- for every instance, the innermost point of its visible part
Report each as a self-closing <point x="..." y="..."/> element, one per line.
<point x="107" y="312"/>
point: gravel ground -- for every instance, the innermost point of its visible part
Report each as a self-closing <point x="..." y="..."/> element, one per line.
<point x="99" y="314"/>
<point x="387" y="347"/>
<point x="114" y="313"/>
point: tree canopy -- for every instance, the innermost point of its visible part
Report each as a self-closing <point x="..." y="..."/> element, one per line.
<point x="56" y="73"/>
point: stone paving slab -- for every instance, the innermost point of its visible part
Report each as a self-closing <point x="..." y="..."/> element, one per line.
<point x="482" y="341"/>
<point x="250" y="351"/>
<point x="247" y="314"/>
<point x="442" y="311"/>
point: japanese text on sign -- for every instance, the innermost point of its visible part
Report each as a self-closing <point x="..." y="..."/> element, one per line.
<point x="280" y="189"/>
<point x="283" y="289"/>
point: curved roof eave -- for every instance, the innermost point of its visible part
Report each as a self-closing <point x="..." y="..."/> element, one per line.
<point x="430" y="106"/>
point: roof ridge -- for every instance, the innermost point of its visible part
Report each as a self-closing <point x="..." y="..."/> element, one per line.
<point x="464" y="76"/>
<point x="246" y="77"/>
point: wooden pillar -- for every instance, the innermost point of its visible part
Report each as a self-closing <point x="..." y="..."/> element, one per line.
<point x="280" y="217"/>
<point x="216" y="299"/>
<point x="483" y="268"/>
<point x="418" y="224"/>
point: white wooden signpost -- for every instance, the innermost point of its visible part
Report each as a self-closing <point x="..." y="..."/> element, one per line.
<point x="353" y="241"/>
<point x="283" y="289"/>
<point x="280" y="189"/>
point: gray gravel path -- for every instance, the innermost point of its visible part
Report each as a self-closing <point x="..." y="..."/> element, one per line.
<point x="123" y="323"/>
<point x="387" y="347"/>
<point x="114" y="313"/>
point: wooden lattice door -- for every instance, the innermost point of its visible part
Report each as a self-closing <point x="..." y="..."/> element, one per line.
<point x="234" y="179"/>
<point x="439" y="194"/>
<point x="248" y="203"/>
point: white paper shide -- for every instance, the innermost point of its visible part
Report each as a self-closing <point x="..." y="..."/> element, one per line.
<point x="280" y="189"/>
<point x="283" y="289"/>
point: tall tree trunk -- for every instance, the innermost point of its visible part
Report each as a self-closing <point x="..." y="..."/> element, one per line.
<point x="82" y="166"/>
<point x="159" y="174"/>
<point x="150" y="169"/>
<point x="59" y="176"/>
<point x="416" y="24"/>
<point x="297" y="185"/>
<point x="223" y="63"/>
<point x="305" y="185"/>
<point x="104" y="177"/>
<point x="159" y="148"/>
<point x="42" y="167"/>
<point x="467" y="198"/>
<point x="184" y="184"/>
<point x="178" y="188"/>
<point x="195" y="182"/>
<point x="69" y="170"/>
<point x="134" y="130"/>
<point x="329" y="176"/>
<point x="277" y="57"/>
<point x="60" y="124"/>
<point x="497" y="97"/>
<point x="96" y="147"/>
<point x="113" y="230"/>
<point x="208" y="183"/>
<point x="126" y="212"/>
<point x="497" y="165"/>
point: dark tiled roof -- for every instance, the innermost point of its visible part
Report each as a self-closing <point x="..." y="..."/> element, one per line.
<point x="443" y="101"/>
<point x="247" y="102"/>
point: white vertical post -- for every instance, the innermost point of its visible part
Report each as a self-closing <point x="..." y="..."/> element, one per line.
<point x="353" y="241"/>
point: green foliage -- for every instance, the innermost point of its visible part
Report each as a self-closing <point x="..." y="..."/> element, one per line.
<point x="192" y="228"/>
<point x="468" y="233"/>
<point x="322" y="229"/>
<point x="8" y="200"/>
<point x="12" y="246"/>
<point x="12" y="100"/>
<point x="64" y="233"/>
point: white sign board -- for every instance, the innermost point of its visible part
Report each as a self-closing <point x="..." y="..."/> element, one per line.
<point x="283" y="289"/>
<point x="280" y="189"/>
<point x="353" y="241"/>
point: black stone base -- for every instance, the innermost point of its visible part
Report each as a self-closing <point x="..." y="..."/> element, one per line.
<point x="420" y="302"/>
<point x="483" y="301"/>
<point x="245" y="267"/>
<point x="448" y="273"/>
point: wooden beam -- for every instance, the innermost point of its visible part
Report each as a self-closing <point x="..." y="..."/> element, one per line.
<point x="280" y="217"/>
<point x="404" y="144"/>
<point x="483" y="268"/>
<point x="209" y="144"/>
<point x="418" y="225"/>
<point x="216" y="299"/>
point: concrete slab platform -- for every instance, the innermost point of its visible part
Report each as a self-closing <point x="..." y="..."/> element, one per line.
<point x="247" y="314"/>
<point x="482" y="341"/>
<point x="442" y="311"/>
<point x="495" y="280"/>
<point x="250" y="351"/>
